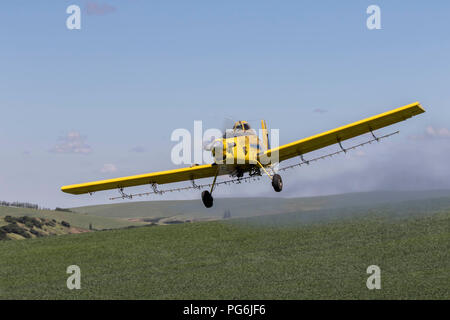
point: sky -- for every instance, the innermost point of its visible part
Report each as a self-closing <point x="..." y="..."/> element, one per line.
<point x="103" y="101"/>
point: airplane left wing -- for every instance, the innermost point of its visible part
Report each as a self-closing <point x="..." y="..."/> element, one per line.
<point x="161" y="177"/>
<point x="349" y="131"/>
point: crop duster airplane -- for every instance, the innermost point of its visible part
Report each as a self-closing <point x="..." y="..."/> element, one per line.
<point x="243" y="152"/>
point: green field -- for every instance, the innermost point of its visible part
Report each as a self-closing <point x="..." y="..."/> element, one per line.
<point x="284" y="256"/>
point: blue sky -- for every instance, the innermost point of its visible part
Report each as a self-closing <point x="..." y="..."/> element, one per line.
<point x="137" y="70"/>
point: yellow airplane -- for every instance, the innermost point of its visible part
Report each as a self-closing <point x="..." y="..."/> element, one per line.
<point x="242" y="152"/>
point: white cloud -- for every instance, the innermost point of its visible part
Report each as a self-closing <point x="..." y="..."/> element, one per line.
<point x="438" y="133"/>
<point x="138" y="149"/>
<point x="108" y="168"/>
<point x="320" y="110"/>
<point x="99" y="9"/>
<point x="73" y="142"/>
<point x="433" y="133"/>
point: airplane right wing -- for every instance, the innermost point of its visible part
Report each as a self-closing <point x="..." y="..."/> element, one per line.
<point x="349" y="131"/>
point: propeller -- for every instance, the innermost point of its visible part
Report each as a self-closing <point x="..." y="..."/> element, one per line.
<point x="227" y="125"/>
<point x="211" y="144"/>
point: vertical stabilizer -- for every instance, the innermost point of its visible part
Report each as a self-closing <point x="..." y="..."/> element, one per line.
<point x="265" y="134"/>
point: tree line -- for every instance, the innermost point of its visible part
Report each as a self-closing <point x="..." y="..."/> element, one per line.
<point x="21" y="205"/>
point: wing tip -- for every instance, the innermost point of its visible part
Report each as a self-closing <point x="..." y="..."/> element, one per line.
<point x="68" y="189"/>
<point x="421" y="109"/>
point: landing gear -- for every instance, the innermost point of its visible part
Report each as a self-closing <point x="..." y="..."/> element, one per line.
<point x="277" y="183"/>
<point x="207" y="195"/>
<point x="207" y="199"/>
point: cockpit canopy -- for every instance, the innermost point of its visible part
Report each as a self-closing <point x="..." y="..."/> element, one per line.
<point x="241" y="125"/>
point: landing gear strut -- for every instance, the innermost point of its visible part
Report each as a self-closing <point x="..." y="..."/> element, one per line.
<point x="277" y="183"/>
<point x="207" y="195"/>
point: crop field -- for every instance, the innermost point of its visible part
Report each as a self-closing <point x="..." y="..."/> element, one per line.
<point x="284" y="256"/>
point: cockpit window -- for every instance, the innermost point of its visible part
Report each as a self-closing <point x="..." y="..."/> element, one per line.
<point x="241" y="126"/>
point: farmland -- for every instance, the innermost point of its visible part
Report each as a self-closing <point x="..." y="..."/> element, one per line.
<point x="294" y="255"/>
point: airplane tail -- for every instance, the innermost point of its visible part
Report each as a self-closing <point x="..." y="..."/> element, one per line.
<point x="265" y="134"/>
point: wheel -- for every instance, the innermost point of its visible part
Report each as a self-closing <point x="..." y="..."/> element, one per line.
<point x="277" y="183"/>
<point x="207" y="199"/>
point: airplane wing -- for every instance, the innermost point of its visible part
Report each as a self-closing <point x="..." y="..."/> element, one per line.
<point x="349" y="131"/>
<point x="161" y="177"/>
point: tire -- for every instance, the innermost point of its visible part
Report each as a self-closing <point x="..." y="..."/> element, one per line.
<point x="277" y="183"/>
<point x="207" y="199"/>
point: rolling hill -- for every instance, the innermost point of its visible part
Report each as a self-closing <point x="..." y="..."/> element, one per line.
<point x="26" y="227"/>
<point x="80" y="220"/>
<point x="188" y="210"/>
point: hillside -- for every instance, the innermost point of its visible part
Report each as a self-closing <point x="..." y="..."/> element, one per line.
<point x="278" y="256"/>
<point x="80" y="220"/>
<point x="188" y="210"/>
<point x="19" y="228"/>
<point x="126" y="214"/>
